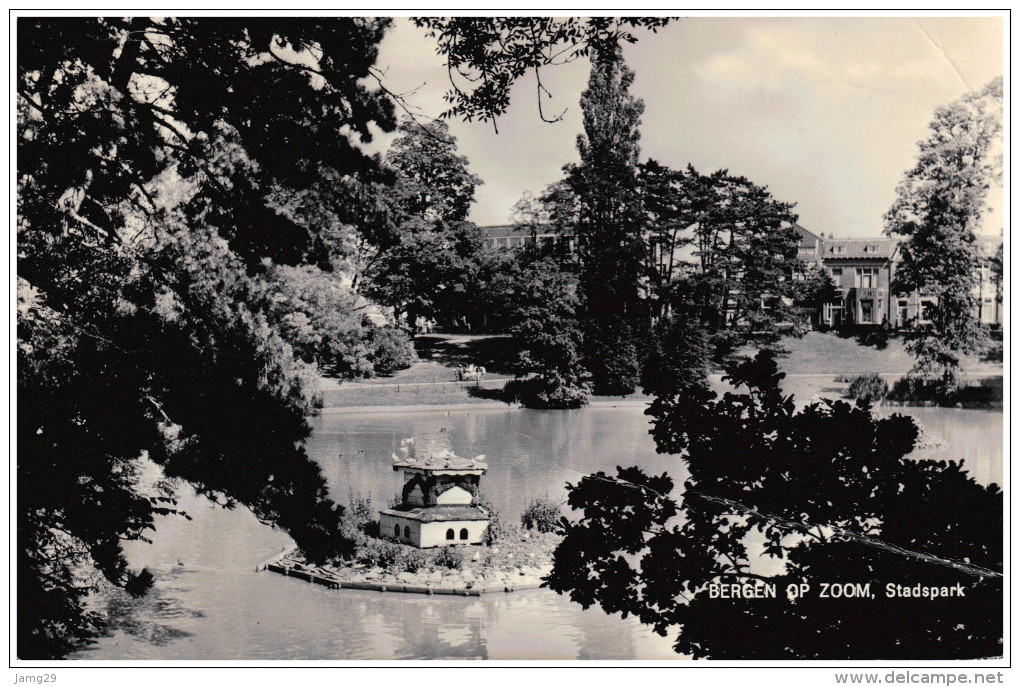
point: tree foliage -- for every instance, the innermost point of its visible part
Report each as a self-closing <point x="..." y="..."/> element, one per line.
<point x="609" y="224"/>
<point x="154" y="158"/>
<point x="327" y="324"/>
<point x="542" y="296"/>
<point x="938" y="207"/>
<point x="995" y="265"/>
<point x="429" y="253"/>
<point x="813" y="287"/>
<point x="487" y="55"/>
<point x="776" y="495"/>
<point x="745" y="250"/>
<point x="669" y="214"/>
<point x="678" y="354"/>
<point x="726" y="247"/>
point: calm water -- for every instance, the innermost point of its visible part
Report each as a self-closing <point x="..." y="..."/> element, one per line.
<point x="215" y="606"/>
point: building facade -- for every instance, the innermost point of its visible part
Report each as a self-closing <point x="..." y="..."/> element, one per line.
<point x="862" y="269"/>
<point x="514" y="236"/>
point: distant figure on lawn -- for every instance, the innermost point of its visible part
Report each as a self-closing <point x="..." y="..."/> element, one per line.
<point x="470" y="372"/>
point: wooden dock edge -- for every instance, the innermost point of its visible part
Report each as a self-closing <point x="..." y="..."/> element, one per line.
<point x="334" y="583"/>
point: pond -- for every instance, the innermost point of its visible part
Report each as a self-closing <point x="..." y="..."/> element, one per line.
<point x="209" y="603"/>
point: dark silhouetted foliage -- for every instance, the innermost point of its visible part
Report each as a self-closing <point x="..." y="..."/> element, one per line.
<point x="152" y="154"/>
<point x="776" y="495"/>
<point x="487" y="55"/>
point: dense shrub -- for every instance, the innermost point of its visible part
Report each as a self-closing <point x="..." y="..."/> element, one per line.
<point x="390" y="350"/>
<point x="985" y="393"/>
<point x="392" y="556"/>
<point x="377" y="553"/>
<point x="412" y="560"/>
<point x="448" y="557"/>
<point x="869" y="387"/>
<point x="611" y="357"/>
<point x="924" y="391"/>
<point x="878" y="337"/>
<point x="499" y="529"/>
<point x="545" y="393"/>
<point x="542" y="515"/>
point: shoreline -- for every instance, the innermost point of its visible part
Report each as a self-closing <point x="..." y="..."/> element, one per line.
<point x="460" y="407"/>
<point x="459" y="582"/>
<point x="622" y="402"/>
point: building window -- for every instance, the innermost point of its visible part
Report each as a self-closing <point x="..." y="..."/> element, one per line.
<point x="396" y="531"/>
<point x="449" y="533"/>
<point x="463" y="533"/>
<point x="837" y="272"/>
<point x="867" y="312"/>
<point x="927" y="310"/>
<point x="988" y="312"/>
<point x="867" y="277"/>
<point x="902" y="312"/>
<point x="407" y="532"/>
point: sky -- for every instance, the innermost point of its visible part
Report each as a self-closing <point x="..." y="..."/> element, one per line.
<point x="826" y="112"/>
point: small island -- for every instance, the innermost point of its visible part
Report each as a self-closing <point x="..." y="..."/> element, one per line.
<point x="440" y="538"/>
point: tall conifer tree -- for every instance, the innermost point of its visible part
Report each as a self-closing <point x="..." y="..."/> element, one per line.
<point x="609" y="226"/>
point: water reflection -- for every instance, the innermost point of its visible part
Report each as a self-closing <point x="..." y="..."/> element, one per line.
<point x="213" y="605"/>
<point x="530" y="453"/>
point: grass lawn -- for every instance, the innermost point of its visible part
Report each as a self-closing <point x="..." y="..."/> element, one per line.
<point x="829" y="353"/>
<point x="404" y="393"/>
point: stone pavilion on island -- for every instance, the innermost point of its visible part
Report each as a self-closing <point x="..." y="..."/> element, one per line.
<point x="439" y="500"/>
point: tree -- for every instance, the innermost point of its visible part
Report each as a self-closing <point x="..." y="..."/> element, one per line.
<point x="430" y="253"/>
<point x="669" y="217"/>
<point x="678" y="353"/>
<point x="161" y="162"/>
<point x="487" y="55"/>
<point x="609" y="226"/>
<point x="327" y="325"/>
<point x="147" y="152"/>
<point x="938" y="207"/>
<point x="813" y="288"/>
<point x="159" y="354"/>
<point x="745" y="250"/>
<point x="726" y="247"/>
<point x="542" y="293"/>
<point x="995" y="265"/>
<point x="780" y="496"/>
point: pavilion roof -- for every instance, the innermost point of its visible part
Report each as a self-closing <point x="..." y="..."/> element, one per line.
<point x="434" y="451"/>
